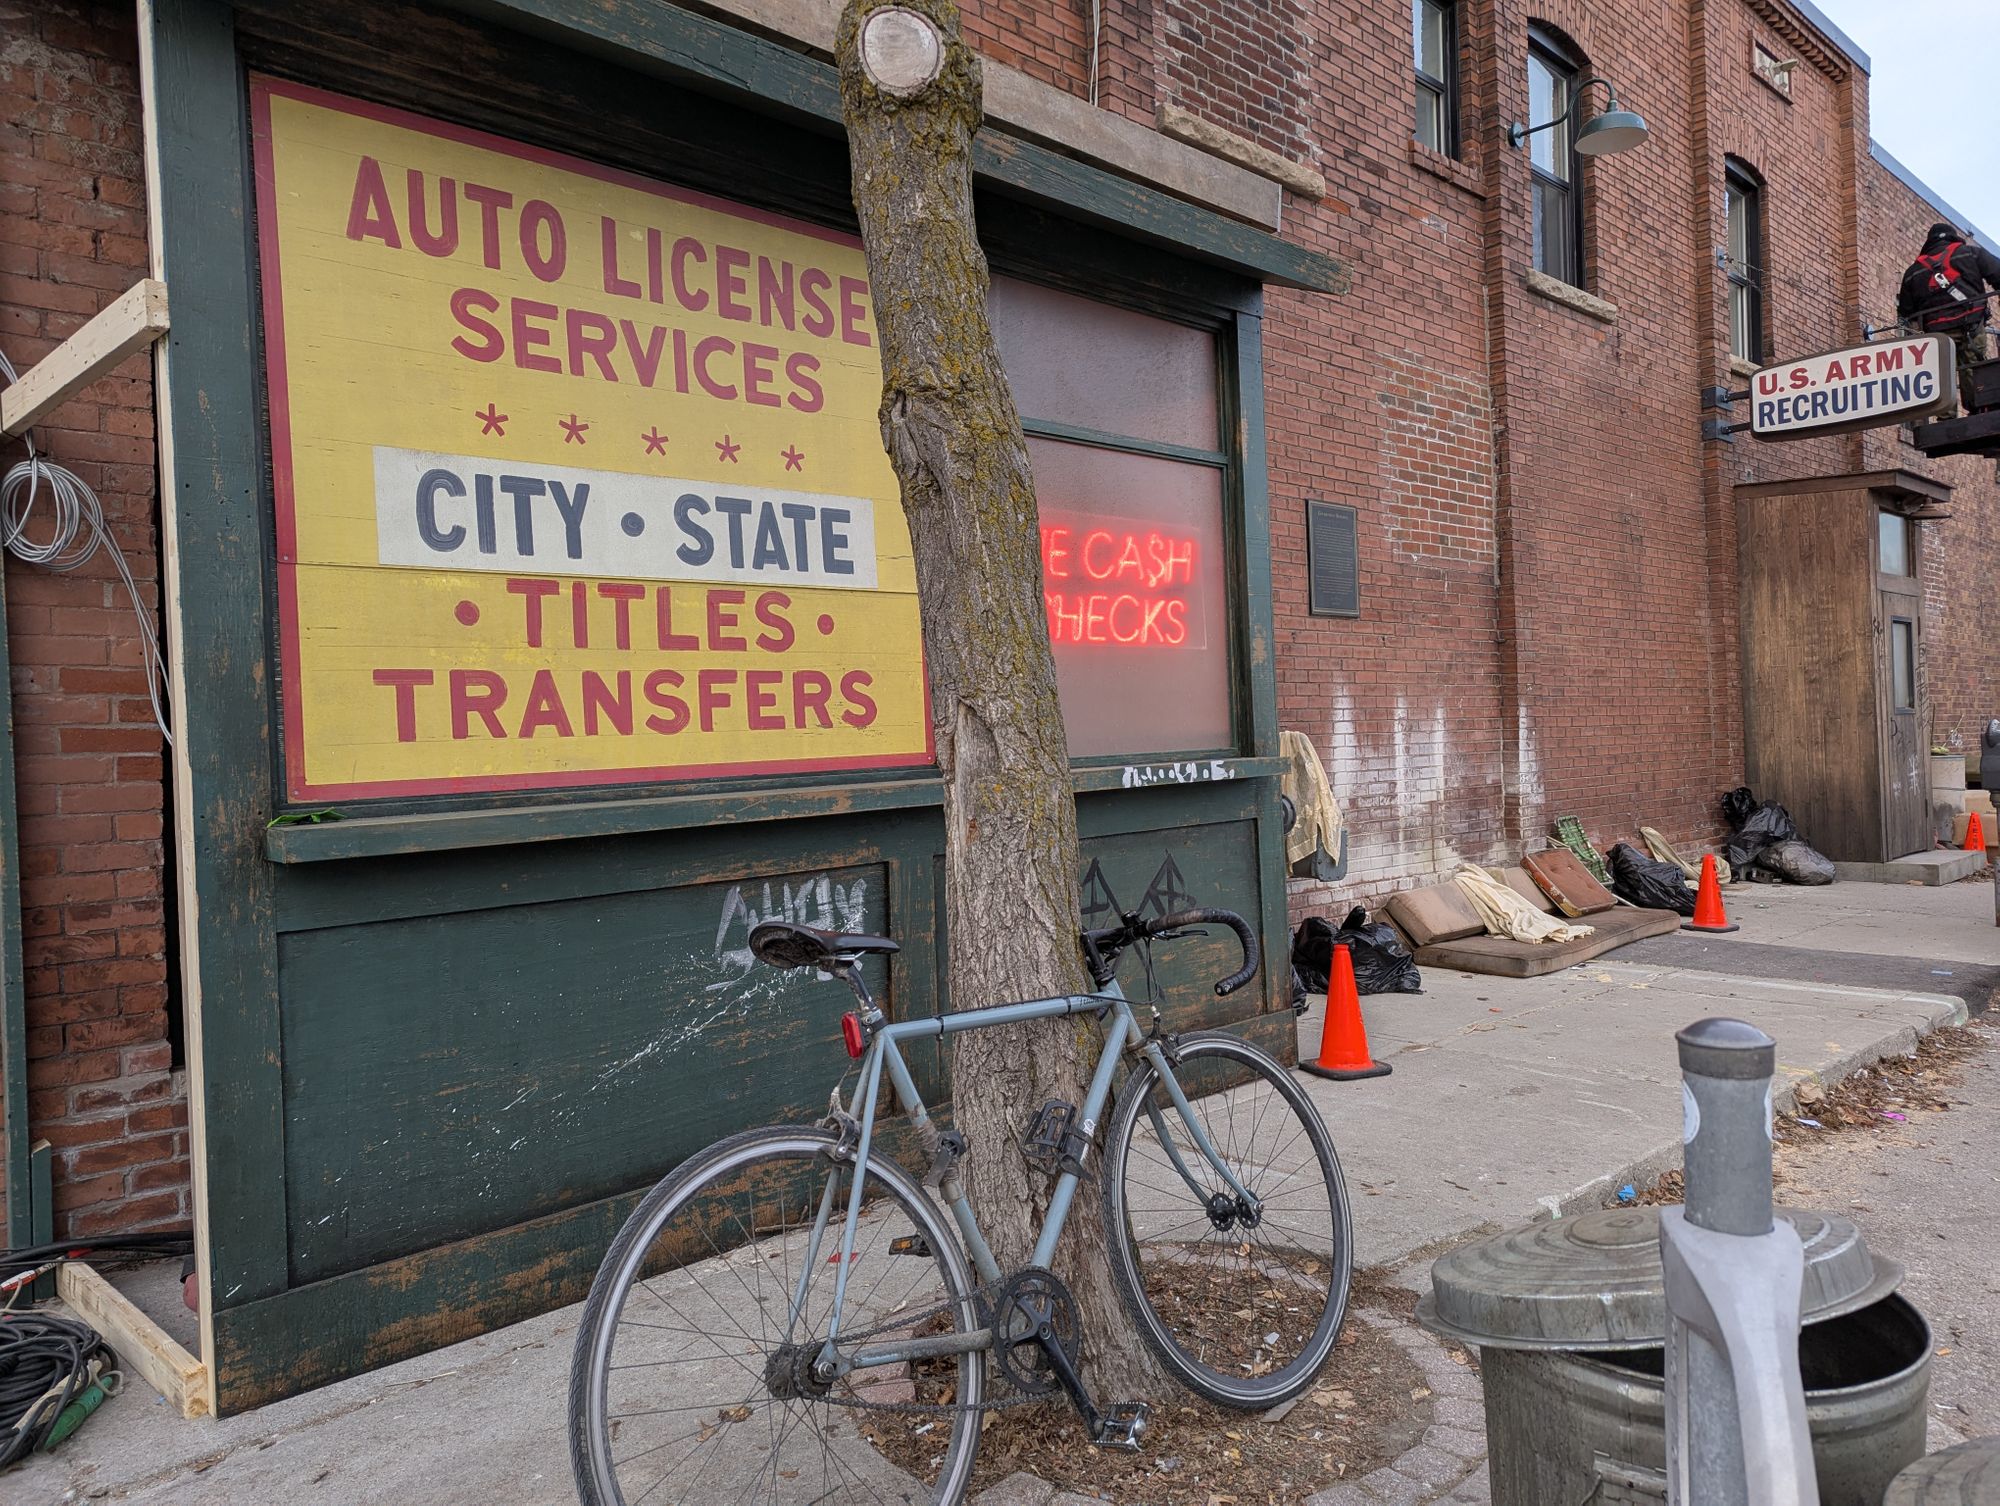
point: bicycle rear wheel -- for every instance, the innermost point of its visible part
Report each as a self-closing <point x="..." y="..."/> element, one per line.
<point x="1243" y="1303"/>
<point x="691" y="1380"/>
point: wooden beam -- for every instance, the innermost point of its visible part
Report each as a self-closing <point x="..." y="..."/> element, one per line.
<point x="1975" y="434"/>
<point x="1905" y="483"/>
<point x="134" y="321"/>
<point x="139" y="1342"/>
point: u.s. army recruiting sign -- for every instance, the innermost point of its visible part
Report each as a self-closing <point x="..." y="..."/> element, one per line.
<point x="578" y="476"/>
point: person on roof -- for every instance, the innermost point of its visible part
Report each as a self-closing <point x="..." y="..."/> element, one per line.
<point x="1944" y="293"/>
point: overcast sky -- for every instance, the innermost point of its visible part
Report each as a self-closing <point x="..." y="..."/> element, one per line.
<point x="1932" y="95"/>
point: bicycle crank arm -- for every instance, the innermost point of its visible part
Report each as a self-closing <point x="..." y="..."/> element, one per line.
<point x="1120" y="1428"/>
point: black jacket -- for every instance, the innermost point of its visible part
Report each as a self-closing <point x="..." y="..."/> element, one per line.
<point x="1946" y="287"/>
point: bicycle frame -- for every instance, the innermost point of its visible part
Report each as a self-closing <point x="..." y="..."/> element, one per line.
<point x="885" y="1053"/>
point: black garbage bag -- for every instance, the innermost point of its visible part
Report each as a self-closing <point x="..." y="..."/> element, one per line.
<point x="1382" y="964"/>
<point x="1758" y="824"/>
<point x="1796" y="863"/>
<point x="1648" y="883"/>
<point x="1737" y="805"/>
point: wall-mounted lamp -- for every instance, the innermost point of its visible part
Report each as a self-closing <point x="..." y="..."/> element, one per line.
<point x="1614" y="130"/>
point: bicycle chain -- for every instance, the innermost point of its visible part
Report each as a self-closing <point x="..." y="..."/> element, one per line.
<point x="983" y="1297"/>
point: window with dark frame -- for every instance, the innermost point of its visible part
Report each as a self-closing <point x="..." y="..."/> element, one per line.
<point x="1903" y="663"/>
<point x="1552" y="158"/>
<point x="1744" y="262"/>
<point x="1434" y="34"/>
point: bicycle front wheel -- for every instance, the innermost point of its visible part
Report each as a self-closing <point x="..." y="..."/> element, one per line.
<point x="693" y="1378"/>
<point x="1242" y="1299"/>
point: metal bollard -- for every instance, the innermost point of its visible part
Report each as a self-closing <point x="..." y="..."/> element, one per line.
<point x="1736" y="1407"/>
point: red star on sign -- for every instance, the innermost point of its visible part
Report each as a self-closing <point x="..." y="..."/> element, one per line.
<point x="656" y="442"/>
<point x="725" y="450"/>
<point x="573" y="430"/>
<point x="492" y="421"/>
<point x="795" y="460"/>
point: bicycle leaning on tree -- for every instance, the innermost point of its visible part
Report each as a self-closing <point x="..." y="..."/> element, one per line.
<point x="789" y="1317"/>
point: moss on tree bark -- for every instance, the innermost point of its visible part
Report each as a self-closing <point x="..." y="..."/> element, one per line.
<point x="954" y="437"/>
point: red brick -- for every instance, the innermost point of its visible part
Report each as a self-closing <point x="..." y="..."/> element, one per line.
<point x="125" y="1030"/>
<point x="148" y="1087"/>
<point x="164" y="1174"/>
<point x="143" y="1059"/>
<point x="132" y="1151"/>
<point x="164" y="1116"/>
<point x="70" y="1071"/>
<point x="164" y="1208"/>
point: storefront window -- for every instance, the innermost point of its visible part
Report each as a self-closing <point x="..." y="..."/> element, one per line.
<point x="1122" y="415"/>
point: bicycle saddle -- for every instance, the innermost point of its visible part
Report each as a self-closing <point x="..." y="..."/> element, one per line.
<point x="783" y="944"/>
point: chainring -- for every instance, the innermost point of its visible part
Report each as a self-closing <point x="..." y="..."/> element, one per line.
<point x="1027" y="1301"/>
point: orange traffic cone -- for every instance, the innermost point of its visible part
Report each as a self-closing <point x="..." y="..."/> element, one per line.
<point x="1975" y="838"/>
<point x="1708" y="912"/>
<point x="1343" y="1041"/>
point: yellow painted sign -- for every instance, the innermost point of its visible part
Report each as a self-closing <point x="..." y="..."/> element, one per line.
<point x="578" y="476"/>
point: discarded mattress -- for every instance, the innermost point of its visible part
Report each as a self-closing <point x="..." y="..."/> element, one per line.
<point x="1445" y="930"/>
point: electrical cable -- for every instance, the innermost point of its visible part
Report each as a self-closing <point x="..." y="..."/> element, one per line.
<point x="34" y="1258"/>
<point x="77" y="531"/>
<point x="45" y="1364"/>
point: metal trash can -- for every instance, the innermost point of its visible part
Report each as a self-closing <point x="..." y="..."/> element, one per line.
<point x="1570" y="1318"/>
<point x="1968" y="1475"/>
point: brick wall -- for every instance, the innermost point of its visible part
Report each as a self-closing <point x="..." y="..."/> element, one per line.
<point x="1047" y="38"/>
<point x="1548" y="547"/>
<point x="1249" y="65"/>
<point x="88" y="760"/>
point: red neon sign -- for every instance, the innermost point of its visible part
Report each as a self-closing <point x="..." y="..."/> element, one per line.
<point x="1123" y="586"/>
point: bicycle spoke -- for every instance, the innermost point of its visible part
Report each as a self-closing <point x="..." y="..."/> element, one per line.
<point x="1209" y="1284"/>
<point x="675" y="1365"/>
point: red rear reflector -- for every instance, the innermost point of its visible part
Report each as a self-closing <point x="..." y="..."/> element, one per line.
<point x="850" y="1034"/>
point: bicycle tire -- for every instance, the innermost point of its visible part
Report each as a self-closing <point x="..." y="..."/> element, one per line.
<point x="1200" y="1335"/>
<point x="773" y="1154"/>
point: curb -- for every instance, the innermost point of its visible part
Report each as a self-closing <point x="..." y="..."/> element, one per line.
<point x="1665" y="1157"/>
<point x="1449" y="1462"/>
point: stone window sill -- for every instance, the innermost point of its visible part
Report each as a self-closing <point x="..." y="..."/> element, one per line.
<point x="1557" y="291"/>
<point x="1453" y="171"/>
<point x="1740" y="367"/>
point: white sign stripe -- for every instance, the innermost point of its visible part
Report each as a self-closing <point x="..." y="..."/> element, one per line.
<point x="462" y="512"/>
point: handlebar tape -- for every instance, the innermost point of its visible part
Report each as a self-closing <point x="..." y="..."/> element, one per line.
<point x="1251" y="956"/>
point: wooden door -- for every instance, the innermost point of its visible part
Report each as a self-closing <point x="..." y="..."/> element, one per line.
<point x="1811" y="730"/>
<point x="1899" y="689"/>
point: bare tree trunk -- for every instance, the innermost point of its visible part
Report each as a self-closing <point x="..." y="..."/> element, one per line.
<point x="952" y="433"/>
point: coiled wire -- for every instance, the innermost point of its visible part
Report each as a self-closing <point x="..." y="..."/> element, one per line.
<point x="44" y="1366"/>
<point x="76" y="528"/>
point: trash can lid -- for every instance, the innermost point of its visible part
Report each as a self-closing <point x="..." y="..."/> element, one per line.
<point x="1594" y="1281"/>
<point x="1968" y="1475"/>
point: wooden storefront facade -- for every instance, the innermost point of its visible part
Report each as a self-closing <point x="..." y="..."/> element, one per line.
<point x="437" y="1045"/>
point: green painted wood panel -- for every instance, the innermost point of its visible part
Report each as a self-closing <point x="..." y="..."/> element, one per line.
<point x="217" y="521"/>
<point x="451" y="1075"/>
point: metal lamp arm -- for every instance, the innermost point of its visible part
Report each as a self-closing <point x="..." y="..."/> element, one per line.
<point x="1518" y="133"/>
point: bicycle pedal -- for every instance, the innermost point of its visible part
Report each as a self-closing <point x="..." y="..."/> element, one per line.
<point x="1122" y="1426"/>
<point x="1045" y="1141"/>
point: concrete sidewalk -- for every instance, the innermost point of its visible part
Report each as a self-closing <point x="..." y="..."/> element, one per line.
<point x="1509" y="1100"/>
<point x="1515" y="1098"/>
